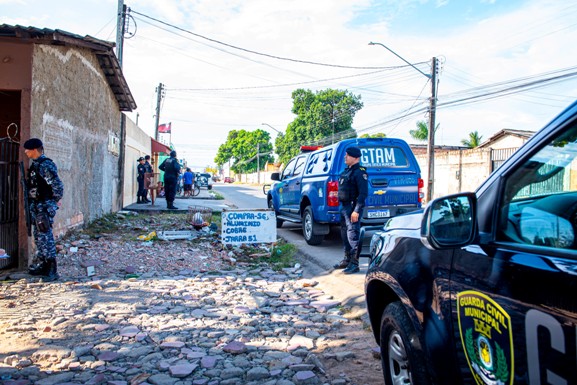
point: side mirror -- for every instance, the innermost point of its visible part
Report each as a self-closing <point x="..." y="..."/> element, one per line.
<point x="275" y="176"/>
<point x="450" y="222"/>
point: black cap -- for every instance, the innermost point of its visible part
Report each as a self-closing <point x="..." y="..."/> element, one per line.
<point x="33" y="144"/>
<point x="173" y="154"/>
<point x="147" y="157"/>
<point x="355" y="152"/>
<point x="139" y="159"/>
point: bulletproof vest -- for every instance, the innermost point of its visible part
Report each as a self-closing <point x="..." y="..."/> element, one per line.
<point x="347" y="187"/>
<point x="35" y="181"/>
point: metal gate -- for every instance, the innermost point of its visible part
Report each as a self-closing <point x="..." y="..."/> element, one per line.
<point x="9" y="201"/>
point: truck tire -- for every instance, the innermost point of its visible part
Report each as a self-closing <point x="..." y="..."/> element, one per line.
<point x="309" y="226"/>
<point x="279" y="222"/>
<point x="403" y="362"/>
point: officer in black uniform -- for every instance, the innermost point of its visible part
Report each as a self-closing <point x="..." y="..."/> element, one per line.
<point x="171" y="168"/>
<point x="45" y="189"/>
<point x="148" y="168"/>
<point x="353" y="190"/>
<point x="141" y="170"/>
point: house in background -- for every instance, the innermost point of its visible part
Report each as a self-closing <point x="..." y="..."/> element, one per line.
<point x="459" y="169"/>
<point x="69" y="91"/>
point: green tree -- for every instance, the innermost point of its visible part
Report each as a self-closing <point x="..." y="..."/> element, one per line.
<point x="422" y="131"/>
<point x="241" y="148"/>
<point x="377" y="135"/>
<point x="322" y="117"/>
<point x="473" y="141"/>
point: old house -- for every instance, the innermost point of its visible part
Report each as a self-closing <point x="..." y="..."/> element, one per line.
<point x="69" y="91"/>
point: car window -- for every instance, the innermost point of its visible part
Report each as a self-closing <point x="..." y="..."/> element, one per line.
<point x="320" y="162"/>
<point x="288" y="170"/>
<point x="540" y="197"/>
<point x="378" y="157"/>
<point x="299" y="165"/>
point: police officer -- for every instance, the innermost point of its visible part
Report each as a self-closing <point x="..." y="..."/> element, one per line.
<point x="171" y="168"/>
<point x="353" y="190"/>
<point x="141" y="170"/>
<point x="45" y="189"/>
<point x="148" y="168"/>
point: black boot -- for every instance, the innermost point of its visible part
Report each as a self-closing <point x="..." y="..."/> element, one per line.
<point x="139" y="200"/>
<point x="353" y="266"/>
<point x="171" y="206"/>
<point x="51" y="274"/>
<point x="344" y="263"/>
<point x="145" y="200"/>
<point x="39" y="268"/>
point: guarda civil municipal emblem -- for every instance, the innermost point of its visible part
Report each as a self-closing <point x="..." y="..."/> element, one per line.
<point x="487" y="338"/>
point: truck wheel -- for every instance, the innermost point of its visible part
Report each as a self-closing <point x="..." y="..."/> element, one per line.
<point x="401" y="356"/>
<point x="308" y="227"/>
<point x="279" y="222"/>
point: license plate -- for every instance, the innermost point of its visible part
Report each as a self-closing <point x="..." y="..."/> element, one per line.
<point x="378" y="214"/>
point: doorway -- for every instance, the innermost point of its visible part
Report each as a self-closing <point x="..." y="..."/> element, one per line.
<point x="10" y="122"/>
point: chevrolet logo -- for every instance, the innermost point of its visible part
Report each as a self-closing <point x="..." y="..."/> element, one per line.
<point x="379" y="192"/>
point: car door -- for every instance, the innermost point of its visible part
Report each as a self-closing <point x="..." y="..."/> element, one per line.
<point x="292" y="187"/>
<point x="513" y="295"/>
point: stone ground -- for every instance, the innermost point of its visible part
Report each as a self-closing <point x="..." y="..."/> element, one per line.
<point x="178" y="312"/>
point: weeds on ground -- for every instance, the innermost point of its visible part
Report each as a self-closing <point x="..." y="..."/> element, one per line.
<point x="277" y="256"/>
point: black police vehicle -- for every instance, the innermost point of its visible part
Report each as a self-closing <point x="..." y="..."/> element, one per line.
<point x="481" y="288"/>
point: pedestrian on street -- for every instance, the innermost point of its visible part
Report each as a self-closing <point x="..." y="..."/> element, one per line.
<point x="148" y="168"/>
<point x="353" y="190"/>
<point x="188" y="179"/>
<point x="141" y="170"/>
<point x="171" y="168"/>
<point x="45" y="189"/>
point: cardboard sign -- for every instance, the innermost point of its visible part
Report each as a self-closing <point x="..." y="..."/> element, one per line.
<point x="248" y="226"/>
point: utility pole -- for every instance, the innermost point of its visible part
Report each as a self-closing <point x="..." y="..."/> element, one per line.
<point x="431" y="134"/>
<point x="159" y="95"/>
<point x="257" y="163"/>
<point x="120" y="23"/>
<point x="432" y="115"/>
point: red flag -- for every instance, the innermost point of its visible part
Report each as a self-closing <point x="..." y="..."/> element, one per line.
<point x="164" y="128"/>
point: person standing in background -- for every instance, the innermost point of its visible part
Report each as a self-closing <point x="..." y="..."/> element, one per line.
<point x="171" y="168"/>
<point x="141" y="170"/>
<point x="148" y="168"/>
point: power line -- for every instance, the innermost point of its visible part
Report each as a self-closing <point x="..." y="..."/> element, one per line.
<point x="256" y="52"/>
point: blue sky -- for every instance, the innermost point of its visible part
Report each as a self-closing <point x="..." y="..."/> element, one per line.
<point x="212" y="88"/>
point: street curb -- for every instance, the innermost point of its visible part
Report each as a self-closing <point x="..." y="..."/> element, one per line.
<point x="337" y="285"/>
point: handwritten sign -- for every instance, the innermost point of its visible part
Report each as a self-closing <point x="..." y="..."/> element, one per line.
<point x="248" y="226"/>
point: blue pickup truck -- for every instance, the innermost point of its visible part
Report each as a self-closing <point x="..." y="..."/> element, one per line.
<point x="306" y="191"/>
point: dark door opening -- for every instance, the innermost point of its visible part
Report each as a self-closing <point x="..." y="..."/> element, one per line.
<point x="10" y="102"/>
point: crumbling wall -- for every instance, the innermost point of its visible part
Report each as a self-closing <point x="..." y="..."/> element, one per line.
<point x="75" y="113"/>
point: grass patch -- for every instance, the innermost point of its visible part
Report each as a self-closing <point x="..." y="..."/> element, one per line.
<point x="217" y="195"/>
<point x="281" y="255"/>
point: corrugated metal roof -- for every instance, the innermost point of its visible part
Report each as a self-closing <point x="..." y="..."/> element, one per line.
<point x="104" y="51"/>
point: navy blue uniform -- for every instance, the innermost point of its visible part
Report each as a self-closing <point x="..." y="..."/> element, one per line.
<point x="353" y="190"/>
<point x="46" y="189"/>
<point x="141" y="169"/>
<point x="148" y="168"/>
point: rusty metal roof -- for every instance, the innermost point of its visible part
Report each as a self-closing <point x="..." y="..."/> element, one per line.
<point x="104" y="51"/>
